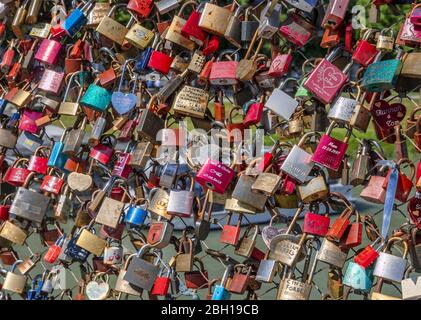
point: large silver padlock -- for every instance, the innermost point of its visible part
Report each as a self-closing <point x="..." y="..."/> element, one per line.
<point x="331" y="254"/>
<point x="29" y="204"/>
<point x="298" y="164"/>
<point x="140" y="272"/>
<point x="180" y="202"/>
<point x="391" y="267"/>
<point x="343" y="108"/>
<point x="281" y="103"/>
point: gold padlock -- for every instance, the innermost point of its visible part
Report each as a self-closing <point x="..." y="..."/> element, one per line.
<point x="139" y="36"/>
<point x="13" y="233"/>
<point x="192" y="102"/>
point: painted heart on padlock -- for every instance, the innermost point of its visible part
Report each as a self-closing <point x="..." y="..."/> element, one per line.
<point x="97" y="291"/>
<point x="331" y="78"/>
<point x="388" y="115"/>
<point x="79" y="181"/>
<point x="123" y="102"/>
<point x="269" y="232"/>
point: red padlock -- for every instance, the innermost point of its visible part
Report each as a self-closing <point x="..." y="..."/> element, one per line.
<point x="365" y="52"/>
<point x="162" y="284"/>
<point x="192" y="30"/>
<point x="325" y="81"/>
<point x="141" y="7"/>
<point x="4" y="207"/>
<point x="224" y="72"/>
<point x="405" y="184"/>
<point x="316" y="224"/>
<point x="296" y="30"/>
<point x="160" y="61"/>
<point x="354" y="233"/>
<point x="38" y="162"/>
<point x="366" y="257"/>
<point x="17" y="173"/>
<point x="102" y="153"/>
<point x="254" y="113"/>
<point x="211" y="45"/>
<point x="54" y="251"/>
<point x="335" y="13"/>
<point x="51" y="183"/>
<point x="230" y="234"/>
<point x="330" y="151"/>
<point x="280" y="64"/>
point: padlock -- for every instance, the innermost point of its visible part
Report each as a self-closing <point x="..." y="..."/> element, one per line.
<point x="248" y="27"/>
<point x="14" y="282"/>
<point x="29" y="204"/>
<point x="111" y="29"/>
<point x="365" y="52"/>
<point x="280" y="102"/>
<point x="122" y="286"/>
<point x="247" y="242"/>
<point x="343" y="108"/>
<point x="77" y="18"/>
<point x="335" y="14"/>
<point x="330" y="151"/>
<point x="220" y="292"/>
<point x="326" y="79"/>
<point x="17" y="173"/>
<point x="386" y="40"/>
<point x="96" y="98"/>
<point x="224" y="72"/>
<point x="382" y="75"/>
<point x="160" y="233"/>
<point x="298" y="163"/>
<point x="180" y="202"/>
<point x="89" y="241"/>
<point x="174" y="32"/>
<point x="141" y="273"/>
<point x="391" y="267"/>
<point x="240" y="279"/>
<point x="230" y="233"/>
<point x="358" y="278"/>
<point x="296" y="30"/>
<point x="331" y="254"/>
<point x="214" y="19"/>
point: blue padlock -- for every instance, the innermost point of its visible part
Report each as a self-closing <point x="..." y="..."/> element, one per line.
<point x="75" y="252"/>
<point x="136" y="215"/>
<point x="57" y="158"/>
<point x="220" y="292"/>
<point x="77" y="19"/>
<point x="142" y="60"/>
<point x="35" y="292"/>
<point x="3" y="104"/>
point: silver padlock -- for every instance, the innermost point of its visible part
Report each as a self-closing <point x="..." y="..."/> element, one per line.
<point x="281" y="103"/>
<point x="343" y="108"/>
<point x="165" y="6"/>
<point x="180" y="202"/>
<point x="391" y="267"/>
<point x="298" y="163"/>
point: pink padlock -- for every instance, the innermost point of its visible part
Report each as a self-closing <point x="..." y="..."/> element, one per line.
<point x="325" y="81"/>
<point x="27" y="122"/>
<point x="51" y="81"/>
<point x="330" y="151"/>
<point x="296" y="30"/>
<point x="215" y="176"/>
<point x="48" y="52"/>
<point x="102" y="153"/>
<point x="280" y="64"/>
<point x="122" y="169"/>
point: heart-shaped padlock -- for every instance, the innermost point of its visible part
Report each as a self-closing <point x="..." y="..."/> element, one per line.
<point x="124" y="102"/>
<point x="79" y="182"/>
<point x="98" y="290"/>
